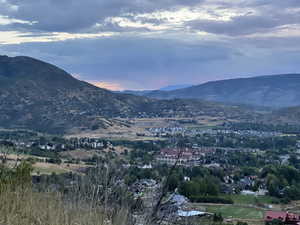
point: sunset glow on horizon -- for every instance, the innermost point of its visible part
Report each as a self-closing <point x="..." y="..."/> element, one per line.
<point x="107" y="85"/>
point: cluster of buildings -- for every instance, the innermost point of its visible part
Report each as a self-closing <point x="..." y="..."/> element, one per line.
<point x="183" y="156"/>
<point x="166" y="131"/>
<point x="170" y="131"/>
<point x="249" y="133"/>
<point x="196" y="155"/>
<point x="49" y="146"/>
<point x="66" y="144"/>
<point x="244" y="186"/>
<point x="89" y="143"/>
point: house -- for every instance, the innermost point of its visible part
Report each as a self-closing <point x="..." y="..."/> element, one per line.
<point x="212" y="166"/>
<point x="178" y="200"/>
<point x="247" y="182"/>
<point x="247" y="192"/>
<point x="284" y="159"/>
<point x="272" y="215"/>
<point x="186" y="178"/>
<point x="262" y="192"/>
<point x="285" y="217"/>
<point x="183" y="156"/>
<point x="47" y="147"/>
<point x="191" y="213"/>
<point x="146" y="166"/>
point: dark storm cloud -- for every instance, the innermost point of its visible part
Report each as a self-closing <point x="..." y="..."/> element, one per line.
<point x="82" y="16"/>
<point x="150" y="63"/>
<point x="141" y="60"/>
<point x="76" y="15"/>
<point x="265" y="16"/>
<point x="237" y="26"/>
<point x="272" y="3"/>
<point x="242" y="25"/>
<point x="247" y="24"/>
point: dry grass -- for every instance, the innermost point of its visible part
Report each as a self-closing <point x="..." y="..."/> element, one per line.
<point x="139" y="125"/>
<point x="80" y="154"/>
<point x="48" y="168"/>
<point x="25" y="207"/>
<point x="21" y="204"/>
<point x="43" y="167"/>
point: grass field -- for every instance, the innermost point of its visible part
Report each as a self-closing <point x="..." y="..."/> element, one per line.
<point x="251" y="200"/>
<point x="231" y="211"/>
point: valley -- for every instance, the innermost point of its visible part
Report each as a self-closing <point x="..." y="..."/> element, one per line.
<point x="175" y="160"/>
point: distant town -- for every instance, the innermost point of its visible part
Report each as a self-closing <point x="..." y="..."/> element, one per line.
<point x="216" y="174"/>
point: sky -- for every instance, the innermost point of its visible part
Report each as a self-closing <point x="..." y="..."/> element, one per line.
<point x="149" y="44"/>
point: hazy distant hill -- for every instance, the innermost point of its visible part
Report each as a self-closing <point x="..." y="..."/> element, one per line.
<point x="40" y="96"/>
<point x="146" y="92"/>
<point x="138" y="93"/>
<point x="272" y="91"/>
<point x="175" y="87"/>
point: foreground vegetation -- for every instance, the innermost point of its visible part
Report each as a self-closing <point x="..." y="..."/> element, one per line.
<point x="27" y="207"/>
<point x="96" y="199"/>
<point x="98" y="185"/>
<point x="20" y="203"/>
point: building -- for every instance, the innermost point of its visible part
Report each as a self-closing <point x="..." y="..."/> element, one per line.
<point x="191" y="213"/>
<point x="285" y="217"/>
<point x="183" y="156"/>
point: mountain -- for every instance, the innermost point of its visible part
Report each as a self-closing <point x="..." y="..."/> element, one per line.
<point x="270" y="91"/>
<point x="40" y="96"/>
<point x="175" y="87"/>
<point x="37" y="95"/>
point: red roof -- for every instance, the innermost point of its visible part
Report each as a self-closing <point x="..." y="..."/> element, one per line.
<point x="272" y="215"/>
<point x="293" y="217"/>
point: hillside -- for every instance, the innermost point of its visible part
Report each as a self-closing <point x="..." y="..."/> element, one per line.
<point x="39" y="96"/>
<point x="290" y="115"/>
<point x="270" y="91"/>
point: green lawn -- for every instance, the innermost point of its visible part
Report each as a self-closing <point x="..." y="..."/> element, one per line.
<point x="230" y="211"/>
<point x="249" y="199"/>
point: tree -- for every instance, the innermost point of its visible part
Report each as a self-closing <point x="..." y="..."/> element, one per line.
<point x="173" y="182"/>
<point x="275" y="222"/>
<point x="241" y="223"/>
<point x="218" y="217"/>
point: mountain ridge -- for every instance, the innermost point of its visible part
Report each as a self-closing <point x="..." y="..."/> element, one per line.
<point x="269" y="90"/>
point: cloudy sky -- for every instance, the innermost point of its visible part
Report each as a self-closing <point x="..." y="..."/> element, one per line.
<point x="148" y="44"/>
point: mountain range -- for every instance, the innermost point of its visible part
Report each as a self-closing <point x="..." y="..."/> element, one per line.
<point x="269" y="91"/>
<point x="40" y="96"/>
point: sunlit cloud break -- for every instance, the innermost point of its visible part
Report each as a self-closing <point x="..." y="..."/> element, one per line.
<point x="107" y="85"/>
